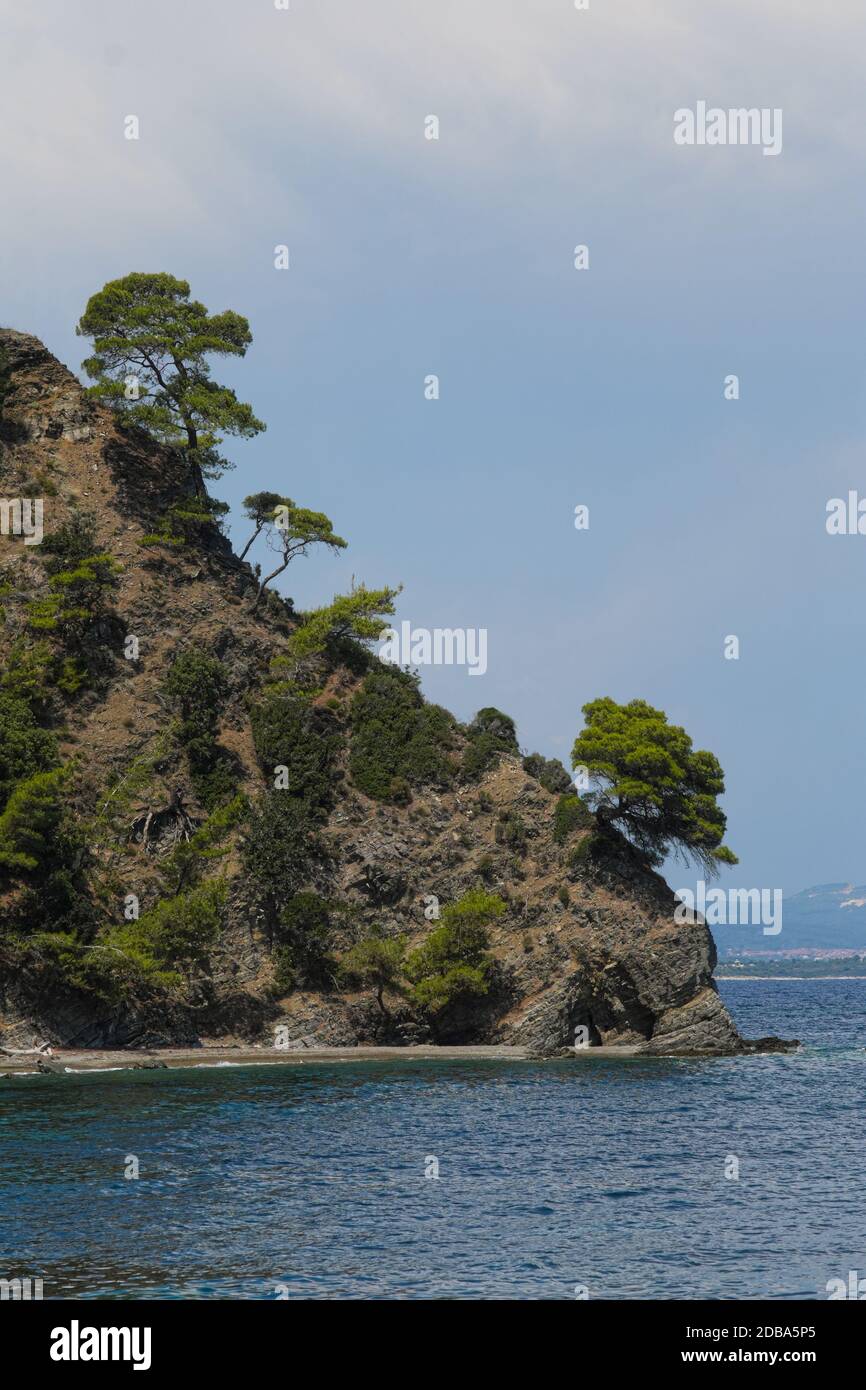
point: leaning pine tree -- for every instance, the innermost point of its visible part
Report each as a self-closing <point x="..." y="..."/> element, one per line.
<point x="650" y="784"/>
<point x="151" y="344"/>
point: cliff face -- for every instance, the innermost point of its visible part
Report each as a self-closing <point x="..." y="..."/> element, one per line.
<point x="587" y="940"/>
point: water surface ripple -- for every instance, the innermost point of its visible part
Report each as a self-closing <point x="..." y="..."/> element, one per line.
<point x="309" y="1179"/>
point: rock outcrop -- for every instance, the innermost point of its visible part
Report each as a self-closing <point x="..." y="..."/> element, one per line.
<point x="587" y="948"/>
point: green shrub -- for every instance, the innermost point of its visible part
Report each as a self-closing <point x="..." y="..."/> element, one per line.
<point x="196" y="684"/>
<point x="500" y="726"/>
<point x="71" y="676"/>
<point x="306" y="918"/>
<point x="510" y="831"/>
<point x="571" y="814"/>
<point x="289" y="732"/>
<point x="490" y="733"/>
<point x="106" y="972"/>
<point x="452" y="983"/>
<point x="188" y="860"/>
<point x="285" y="973"/>
<point x="215" y="782"/>
<point x="486" y="867"/>
<point x="70" y="620"/>
<point x="70" y="544"/>
<point x="42" y="850"/>
<point x="355" y="617"/>
<point x="180" y="931"/>
<point x="58" y="896"/>
<point x="197" y="688"/>
<point x="30" y="821"/>
<point x="173" y="938"/>
<point x="25" y="748"/>
<point x="76" y="601"/>
<point x="377" y="963"/>
<point x="478" y="757"/>
<point x="400" y="793"/>
<point x="186" y="521"/>
<point x="280" y="847"/>
<point x="470" y="916"/>
<point x="564" y="896"/>
<point x="41" y="847"/>
<point x="453" y="963"/>
<point x="303" y="935"/>
<point x="588" y="847"/>
<point x="548" y="771"/>
<point x="396" y="737"/>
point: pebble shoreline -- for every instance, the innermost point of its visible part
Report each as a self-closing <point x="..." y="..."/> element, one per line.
<point x="64" y="1062"/>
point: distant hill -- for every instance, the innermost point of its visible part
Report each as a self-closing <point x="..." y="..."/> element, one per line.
<point x="829" y="916"/>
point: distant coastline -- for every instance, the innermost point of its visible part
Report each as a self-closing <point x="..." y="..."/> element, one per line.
<point x="743" y="975"/>
<point x="798" y="964"/>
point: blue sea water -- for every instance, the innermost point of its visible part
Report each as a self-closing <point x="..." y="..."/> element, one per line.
<point x="309" y="1180"/>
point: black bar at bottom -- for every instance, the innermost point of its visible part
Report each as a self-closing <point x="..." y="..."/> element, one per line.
<point x="147" y="1338"/>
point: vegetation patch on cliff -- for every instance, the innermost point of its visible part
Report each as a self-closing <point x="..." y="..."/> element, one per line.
<point x="398" y="740"/>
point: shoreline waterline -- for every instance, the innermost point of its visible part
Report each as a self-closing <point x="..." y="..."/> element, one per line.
<point x="69" y="1061"/>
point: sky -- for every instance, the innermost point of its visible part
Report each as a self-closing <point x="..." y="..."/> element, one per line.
<point x="559" y="387"/>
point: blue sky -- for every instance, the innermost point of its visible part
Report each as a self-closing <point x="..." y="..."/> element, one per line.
<point x="558" y="387"/>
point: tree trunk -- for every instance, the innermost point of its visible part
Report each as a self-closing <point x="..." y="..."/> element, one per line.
<point x="265" y="582"/>
<point x="195" y="466"/>
<point x="253" y="537"/>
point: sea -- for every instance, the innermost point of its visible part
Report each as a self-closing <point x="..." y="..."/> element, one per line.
<point x="423" y="1179"/>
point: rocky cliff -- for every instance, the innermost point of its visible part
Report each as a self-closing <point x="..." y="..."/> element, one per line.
<point x="587" y="939"/>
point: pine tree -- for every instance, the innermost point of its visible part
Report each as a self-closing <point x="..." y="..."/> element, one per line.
<point x="151" y="344"/>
